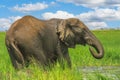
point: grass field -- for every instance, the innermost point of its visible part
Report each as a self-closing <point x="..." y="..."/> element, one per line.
<point x="84" y="66"/>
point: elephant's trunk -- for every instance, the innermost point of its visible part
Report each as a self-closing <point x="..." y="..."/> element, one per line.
<point x="99" y="48"/>
<point x="95" y="44"/>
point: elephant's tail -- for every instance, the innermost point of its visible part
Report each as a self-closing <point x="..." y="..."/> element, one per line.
<point x="14" y="51"/>
<point x="17" y="53"/>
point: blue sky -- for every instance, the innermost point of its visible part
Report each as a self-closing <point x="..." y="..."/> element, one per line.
<point x="94" y="13"/>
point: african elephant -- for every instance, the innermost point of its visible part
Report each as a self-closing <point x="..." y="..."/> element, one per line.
<point x="47" y="41"/>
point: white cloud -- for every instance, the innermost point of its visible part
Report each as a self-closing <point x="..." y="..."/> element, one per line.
<point x="14" y="18"/>
<point x="101" y="15"/>
<point x="30" y="7"/>
<point x="58" y="14"/>
<point x="93" y="3"/>
<point x="86" y="18"/>
<point x="53" y="3"/>
<point x="5" y="23"/>
<point x="96" y="25"/>
<point x="97" y="18"/>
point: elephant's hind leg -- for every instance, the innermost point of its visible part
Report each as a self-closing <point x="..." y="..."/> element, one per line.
<point x="40" y="58"/>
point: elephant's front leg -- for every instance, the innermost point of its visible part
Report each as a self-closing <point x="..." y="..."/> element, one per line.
<point x="63" y="55"/>
<point x="67" y="59"/>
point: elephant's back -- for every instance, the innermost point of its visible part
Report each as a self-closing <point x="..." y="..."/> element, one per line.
<point x="27" y="24"/>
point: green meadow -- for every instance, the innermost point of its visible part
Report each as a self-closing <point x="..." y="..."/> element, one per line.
<point x="84" y="66"/>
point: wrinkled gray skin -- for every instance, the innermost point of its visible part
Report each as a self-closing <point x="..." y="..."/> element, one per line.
<point x="47" y="41"/>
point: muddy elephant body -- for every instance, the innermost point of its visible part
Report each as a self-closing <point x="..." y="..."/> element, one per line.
<point x="47" y="41"/>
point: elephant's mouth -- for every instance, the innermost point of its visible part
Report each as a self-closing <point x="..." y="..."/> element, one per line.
<point x="82" y="42"/>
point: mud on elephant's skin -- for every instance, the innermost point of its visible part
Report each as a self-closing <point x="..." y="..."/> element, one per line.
<point x="47" y="41"/>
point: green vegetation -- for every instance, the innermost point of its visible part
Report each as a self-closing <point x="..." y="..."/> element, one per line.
<point x="84" y="66"/>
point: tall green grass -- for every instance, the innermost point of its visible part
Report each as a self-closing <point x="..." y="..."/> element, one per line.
<point x="81" y="61"/>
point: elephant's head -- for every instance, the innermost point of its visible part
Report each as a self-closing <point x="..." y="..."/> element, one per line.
<point x="72" y="31"/>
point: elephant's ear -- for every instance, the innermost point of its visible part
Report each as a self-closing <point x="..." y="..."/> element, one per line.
<point x="65" y="33"/>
